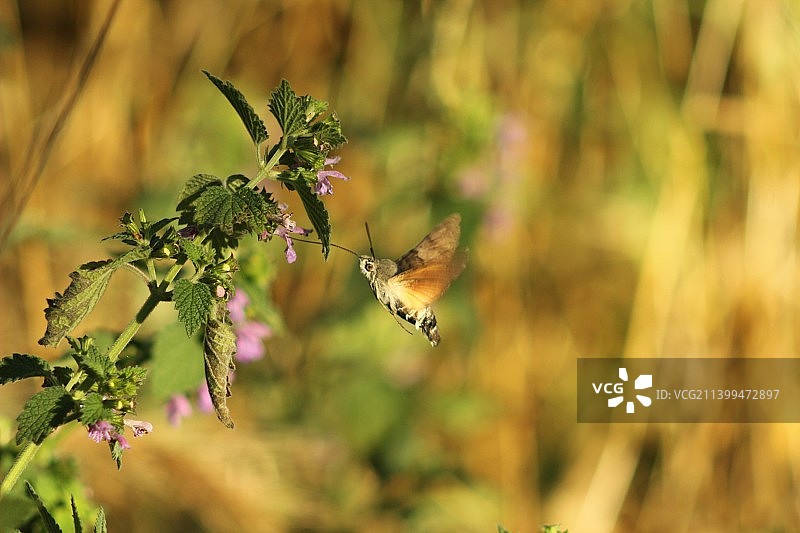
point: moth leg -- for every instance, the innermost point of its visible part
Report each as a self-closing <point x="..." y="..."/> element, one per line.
<point x="401" y="324"/>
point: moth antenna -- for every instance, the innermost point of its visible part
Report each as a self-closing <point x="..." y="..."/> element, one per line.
<point x="332" y="244"/>
<point x="369" y="238"/>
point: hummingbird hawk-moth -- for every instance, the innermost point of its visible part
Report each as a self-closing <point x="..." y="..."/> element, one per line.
<point x="409" y="286"/>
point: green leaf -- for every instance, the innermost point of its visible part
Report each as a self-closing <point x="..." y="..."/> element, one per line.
<point x="308" y="152"/>
<point x="154" y="227"/>
<point x="329" y="133"/>
<point x="250" y="209"/>
<point x="76" y="519"/>
<point x="88" y="284"/>
<point x="219" y="347"/>
<point x="215" y="207"/>
<point x="45" y="411"/>
<point x="116" y="452"/>
<point x="255" y="127"/>
<point x="92" y="409"/>
<point x="61" y="376"/>
<point x="95" y="363"/>
<point x="128" y="381"/>
<point x="176" y="363"/>
<point x="196" y="253"/>
<point x="288" y="109"/>
<point x="194" y="187"/>
<point x="21" y="365"/>
<point x="243" y="210"/>
<point x="123" y="236"/>
<point x="312" y="108"/>
<point x="49" y="521"/>
<point x="317" y="214"/>
<point x="193" y="302"/>
<point x="100" y="522"/>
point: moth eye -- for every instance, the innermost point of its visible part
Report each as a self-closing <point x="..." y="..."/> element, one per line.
<point x="368" y="267"/>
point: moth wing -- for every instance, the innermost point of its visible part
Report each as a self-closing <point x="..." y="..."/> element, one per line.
<point x="438" y="246"/>
<point x="420" y="287"/>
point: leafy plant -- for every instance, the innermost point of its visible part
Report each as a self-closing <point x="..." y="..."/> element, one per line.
<point x="189" y="259"/>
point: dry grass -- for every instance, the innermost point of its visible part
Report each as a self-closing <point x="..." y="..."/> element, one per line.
<point x="645" y="203"/>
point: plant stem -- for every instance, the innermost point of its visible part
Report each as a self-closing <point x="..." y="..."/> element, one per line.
<point x="133" y="326"/>
<point x="19" y="466"/>
<point x="151" y="269"/>
<point x="156" y="296"/>
<point x="263" y="172"/>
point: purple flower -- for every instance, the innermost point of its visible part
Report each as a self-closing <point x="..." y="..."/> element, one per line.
<point x="249" y="341"/>
<point x="291" y="255"/>
<point x="189" y="232"/>
<point x="177" y="408"/>
<point x="103" y="430"/>
<point x="204" y="403"/>
<point x="286" y="226"/>
<point x="249" y="333"/>
<point x="237" y="304"/>
<point x="100" y="431"/>
<point x="139" y="427"/>
<point x="323" y="185"/>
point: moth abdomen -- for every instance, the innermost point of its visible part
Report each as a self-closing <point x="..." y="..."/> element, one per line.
<point x="425" y="321"/>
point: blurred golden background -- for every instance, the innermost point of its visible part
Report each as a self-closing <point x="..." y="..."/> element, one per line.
<point x="628" y="176"/>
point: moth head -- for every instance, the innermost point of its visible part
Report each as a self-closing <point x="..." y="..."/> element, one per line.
<point x="367" y="265"/>
<point x="377" y="268"/>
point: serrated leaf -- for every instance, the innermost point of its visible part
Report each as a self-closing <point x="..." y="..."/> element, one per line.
<point x="176" y="362"/>
<point x="312" y="108"/>
<point x="45" y="411"/>
<point x="61" y="376"/>
<point x="197" y="253"/>
<point x="215" y="207"/>
<point x="129" y="379"/>
<point x="76" y="519"/>
<point x="88" y="284"/>
<point x="317" y="214"/>
<point x="194" y="186"/>
<point x="158" y="225"/>
<point x="235" y="182"/>
<point x="121" y="236"/>
<point x="100" y="521"/>
<point x="116" y="452"/>
<point x="252" y="122"/>
<point x="308" y="152"/>
<point x="250" y="209"/>
<point x="219" y="347"/>
<point x="97" y="364"/>
<point x="92" y="409"/>
<point x="49" y="521"/>
<point x="21" y="365"/>
<point x="287" y="109"/>
<point x="243" y="210"/>
<point x="329" y="132"/>
<point x="193" y="302"/>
